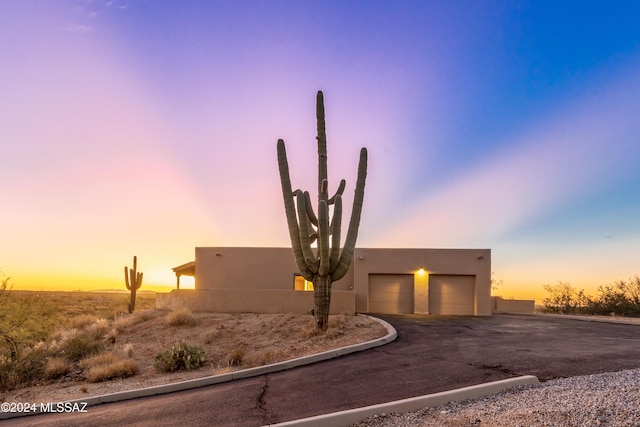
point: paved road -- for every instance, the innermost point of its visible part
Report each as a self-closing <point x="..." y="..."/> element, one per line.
<point x="431" y="354"/>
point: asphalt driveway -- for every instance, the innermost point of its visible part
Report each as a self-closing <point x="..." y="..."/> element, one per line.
<point x="431" y="354"/>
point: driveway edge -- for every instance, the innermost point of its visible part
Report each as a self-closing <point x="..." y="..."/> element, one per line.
<point x="392" y="334"/>
<point x="353" y="416"/>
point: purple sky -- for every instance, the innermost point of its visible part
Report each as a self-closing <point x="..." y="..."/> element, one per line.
<point x="149" y="128"/>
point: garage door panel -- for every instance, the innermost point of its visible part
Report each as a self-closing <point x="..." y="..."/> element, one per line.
<point x="451" y="294"/>
<point x="391" y="293"/>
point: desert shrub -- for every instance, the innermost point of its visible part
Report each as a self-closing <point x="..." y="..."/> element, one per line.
<point x="111" y="336"/>
<point x="24" y="369"/>
<point x="81" y="345"/>
<point x="181" y="316"/>
<point x="564" y="298"/>
<point x="108" y="366"/>
<point x="98" y="330"/>
<point x="82" y="321"/>
<point x="235" y="356"/>
<point x="98" y="359"/>
<point x="181" y="356"/>
<point x="56" y="367"/>
<point x="622" y="298"/>
<point x="25" y="319"/>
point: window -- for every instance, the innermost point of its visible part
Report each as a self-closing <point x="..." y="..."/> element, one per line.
<point x="300" y="284"/>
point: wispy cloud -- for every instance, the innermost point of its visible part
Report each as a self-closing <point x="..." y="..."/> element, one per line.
<point x="561" y="159"/>
<point x="79" y="28"/>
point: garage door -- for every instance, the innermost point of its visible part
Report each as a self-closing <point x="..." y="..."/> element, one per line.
<point x="391" y="293"/>
<point x="449" y="294"/>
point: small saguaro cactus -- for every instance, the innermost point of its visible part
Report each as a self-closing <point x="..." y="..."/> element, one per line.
<point x="327" y="264"/>
<point x="133" y="280"/>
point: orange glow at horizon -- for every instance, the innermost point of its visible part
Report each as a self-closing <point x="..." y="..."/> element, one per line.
<point x="34" y="282"/>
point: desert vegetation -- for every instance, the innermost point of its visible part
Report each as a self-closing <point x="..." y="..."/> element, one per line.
<point x="66" y="344"/>
<point x="622" y="298"/>
<point x="44" y="338"/>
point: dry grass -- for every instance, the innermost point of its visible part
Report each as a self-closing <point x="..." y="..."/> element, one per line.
<point x="181" y="316"/>
<point x="235" y="357"/>
<point x="121" y="369"/>
<point x="57" y="367"/>
<point x="98" y="360"/>
<point x="108" y="366"/>
<point x="82" y="321"/>
<point x="230" y="341"/>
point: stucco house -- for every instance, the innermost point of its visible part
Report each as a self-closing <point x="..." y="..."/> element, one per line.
<point x="266" y="280"/>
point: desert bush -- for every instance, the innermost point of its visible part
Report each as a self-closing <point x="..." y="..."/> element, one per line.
<point x="56" y="367"/>
<point x="82" y="321"/>
<point x="108" y="366"/>
<point x="98" y="360"/>
<point x="235" y="356"/>
<point x="622" y="298"/>
<point x="181" y="356"/>
<point x="23" y="370"/>
<point x="181" y="316"/>
<point x="564" y="298"/>
<point x="111" y="336"/>
<point x="25" y="319"/>
<point x="81" y="345"/>
<point x="98" y="330"/>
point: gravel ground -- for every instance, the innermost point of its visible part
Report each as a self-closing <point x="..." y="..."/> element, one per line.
<point x="609" y="399"/>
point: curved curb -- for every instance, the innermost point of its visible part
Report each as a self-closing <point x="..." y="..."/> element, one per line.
<point x="353" y="416"/>
<point x="392" y="334"/>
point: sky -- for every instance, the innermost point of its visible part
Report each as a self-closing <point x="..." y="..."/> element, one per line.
<point x="149" y="128"/>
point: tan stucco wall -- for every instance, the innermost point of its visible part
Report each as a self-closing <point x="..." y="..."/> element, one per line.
<point x="262" y="269"/>
<point x="524" y="306"/>
<point x="475" y="262"/>
<point x="251" y="268"/>
<point x="252" y="301"/>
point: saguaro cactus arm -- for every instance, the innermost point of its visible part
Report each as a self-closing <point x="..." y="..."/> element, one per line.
<point x="354" y="222"/>
<point x="304" y="235"/>
<point x="339" y="191"/>
<point x="336" y="224"/>
<point x="290" y="211"/>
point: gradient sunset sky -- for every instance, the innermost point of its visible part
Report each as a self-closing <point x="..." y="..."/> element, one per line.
<point x="149" y="128"/>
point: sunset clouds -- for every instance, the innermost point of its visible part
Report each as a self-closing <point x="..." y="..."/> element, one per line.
<point x="132" y="128"/>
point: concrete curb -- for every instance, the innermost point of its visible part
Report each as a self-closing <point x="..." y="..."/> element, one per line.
<point x="352" y="416"/>
<point x="392" y="334"/>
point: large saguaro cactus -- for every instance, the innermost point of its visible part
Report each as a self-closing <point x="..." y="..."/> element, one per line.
<point x="133" y="280"/>
<point x="327" y="263"/>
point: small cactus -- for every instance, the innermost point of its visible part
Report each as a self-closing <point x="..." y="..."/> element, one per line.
<point x="133" y="280"/>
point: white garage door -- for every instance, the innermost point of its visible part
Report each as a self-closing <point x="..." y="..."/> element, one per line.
<point x="391" y="293"/>
<point x="450" y="294"/>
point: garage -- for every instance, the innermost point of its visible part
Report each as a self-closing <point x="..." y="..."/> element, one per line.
<point x="452" y="294"/>
<point x="391" y="293"/>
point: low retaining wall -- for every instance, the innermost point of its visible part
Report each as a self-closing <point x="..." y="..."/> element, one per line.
<point x="524" y="306"/>
<point x="252" y="301"/>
